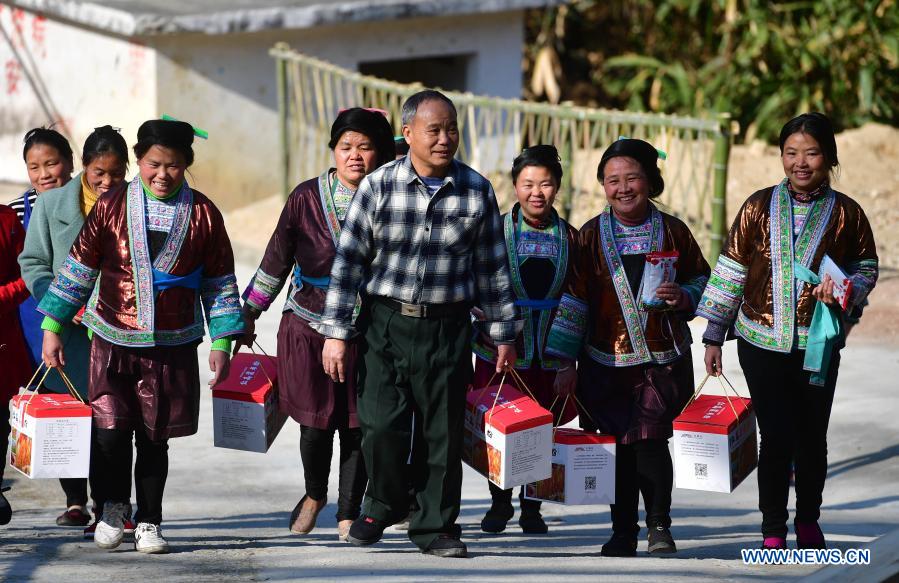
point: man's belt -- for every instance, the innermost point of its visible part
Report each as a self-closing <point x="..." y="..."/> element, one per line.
<point x="424" y="310"/>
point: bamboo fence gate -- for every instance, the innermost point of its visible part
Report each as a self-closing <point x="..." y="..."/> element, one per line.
<point x="493" y="131"/>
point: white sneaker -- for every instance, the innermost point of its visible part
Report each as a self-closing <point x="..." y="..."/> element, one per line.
<point x="148" y="539"/>
<point x="111" y="528"/>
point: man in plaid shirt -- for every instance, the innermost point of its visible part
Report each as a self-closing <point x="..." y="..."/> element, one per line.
<point x="422" y="243"/>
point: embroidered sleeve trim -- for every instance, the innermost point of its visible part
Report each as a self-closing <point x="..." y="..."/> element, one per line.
<point x="263" y="290"/>
<point x="863" y="274"/>
<point x="724" y="292"/>
<point x="566" y="335"/>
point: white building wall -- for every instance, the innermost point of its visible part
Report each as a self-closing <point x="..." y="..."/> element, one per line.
<point x="226" y="84"/>
<point x="81" y="79"/>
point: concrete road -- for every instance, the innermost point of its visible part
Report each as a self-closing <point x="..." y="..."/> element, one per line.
<point x="226" y="512"/>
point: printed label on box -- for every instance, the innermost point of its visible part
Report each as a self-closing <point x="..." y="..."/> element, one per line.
<point x="713" y="450"/>
<point x="583" y="470"/>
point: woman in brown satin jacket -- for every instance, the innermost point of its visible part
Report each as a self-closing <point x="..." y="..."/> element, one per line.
<point x="762" y="291"/>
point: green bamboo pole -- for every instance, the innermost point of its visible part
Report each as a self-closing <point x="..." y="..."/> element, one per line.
<point x="283" y="121"/>
<point x="719" y="195"/>
<point x="567" y="185"/>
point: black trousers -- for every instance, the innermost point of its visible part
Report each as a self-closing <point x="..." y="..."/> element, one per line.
<point x="423" y="366"/>
<point x="4" y="436"/>
<point x="504" y="497"/>
<point x="74" y="488"/>
<point x="642" y="467"/>
<point x="793" y="416"/>
<point x="111" y="470"/>
<point x="316" y="449"/>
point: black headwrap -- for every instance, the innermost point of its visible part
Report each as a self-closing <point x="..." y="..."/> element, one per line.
<point x="177" y="135"/>
<point x="369" y="123"/>
<point x="645" y="155"/>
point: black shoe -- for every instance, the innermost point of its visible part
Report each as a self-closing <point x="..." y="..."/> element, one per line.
<point x="531" y="522"/>
<point x="660" y="541"/>
<point x="5" y="509"/>
<point x="366" y="531"/>
<point x="496" y="518"/>
<point x="447" y="546"/>
<point x="620" y="545"/>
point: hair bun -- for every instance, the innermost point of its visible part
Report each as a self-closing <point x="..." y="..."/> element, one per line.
<point x="166" y="132"/>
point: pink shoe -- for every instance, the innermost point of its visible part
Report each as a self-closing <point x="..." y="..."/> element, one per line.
<point x="809" y="535"/>
<point x="774" y="542"/>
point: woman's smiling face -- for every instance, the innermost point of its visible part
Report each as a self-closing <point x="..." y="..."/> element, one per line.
<point x="804" y="162"/>
<point x="626" y="187"/>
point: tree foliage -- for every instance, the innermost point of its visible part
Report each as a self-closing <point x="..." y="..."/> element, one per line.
<point x="761" y="61"/>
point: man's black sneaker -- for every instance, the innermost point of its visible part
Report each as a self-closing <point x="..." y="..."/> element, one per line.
<point x="366" y="531"/>
<point x="496" y="518"/>
<point x="620" y="545"/>
<point x="660" y="541"/>
<point x="447" y="546"/>
<point x="531" y="522"/>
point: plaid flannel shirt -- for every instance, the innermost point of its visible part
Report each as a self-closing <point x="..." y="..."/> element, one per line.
<point x="400" y="242"/>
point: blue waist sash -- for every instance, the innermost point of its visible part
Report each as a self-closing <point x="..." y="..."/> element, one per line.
<point x="163" y="280"/>
<point x="537" y="304"/>
<point x="299" y="279"/>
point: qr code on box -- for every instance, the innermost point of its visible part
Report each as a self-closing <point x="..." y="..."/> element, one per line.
<point x="701" y="470"/>
<point x="589" y="482"/>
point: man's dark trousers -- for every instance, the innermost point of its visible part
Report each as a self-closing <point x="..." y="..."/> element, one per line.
<point x="421" y="365"/>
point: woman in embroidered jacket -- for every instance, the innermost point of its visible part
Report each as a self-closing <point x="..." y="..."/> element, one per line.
<point x="771" y="288"/>
<point x="542" y="250"/>
<point x="301" y="249"/>
<point x="635" y="371"/>
<point x="158" y="252"/>
<point x="53" y="225"/>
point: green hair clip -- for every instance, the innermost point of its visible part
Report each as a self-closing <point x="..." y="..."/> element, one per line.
<point x="662" y="154"/>
<point x="197" y="131"/>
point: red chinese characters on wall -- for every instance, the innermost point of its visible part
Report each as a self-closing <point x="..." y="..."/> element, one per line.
<point x="12" y="72"/>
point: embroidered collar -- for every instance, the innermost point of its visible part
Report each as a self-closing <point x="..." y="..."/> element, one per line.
<point x="512" y="229"/>
<point x="535" y="224"/>
<point x="634" y="318"/>
<point x="329" y="193"/>
<point x="813" y="195"/>
<point x="141" y="264"/>
<point x="785" y="288"/>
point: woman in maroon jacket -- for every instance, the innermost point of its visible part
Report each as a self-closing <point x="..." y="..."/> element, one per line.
<point x="13" y="353"/>
<point x="301" y="250"/>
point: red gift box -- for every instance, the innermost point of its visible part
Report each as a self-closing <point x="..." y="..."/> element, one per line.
<point x="507" y="436"/>
<point x="715" y="443"/>
<point x="50" y="435"/>
<point x="583" y="470"/>
<point x="245" y="408"/>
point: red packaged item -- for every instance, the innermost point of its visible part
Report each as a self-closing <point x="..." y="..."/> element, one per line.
<point x="661" y="267"/>
<point x="245" y="408"/>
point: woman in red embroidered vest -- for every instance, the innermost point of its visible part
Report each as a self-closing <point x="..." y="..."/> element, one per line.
<point x="542" y="250"/>
<point x="773" y="286"/>
<point x="160" y="257"/>
<point x="301" y="250"/>
<point x="635" y="372"/>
